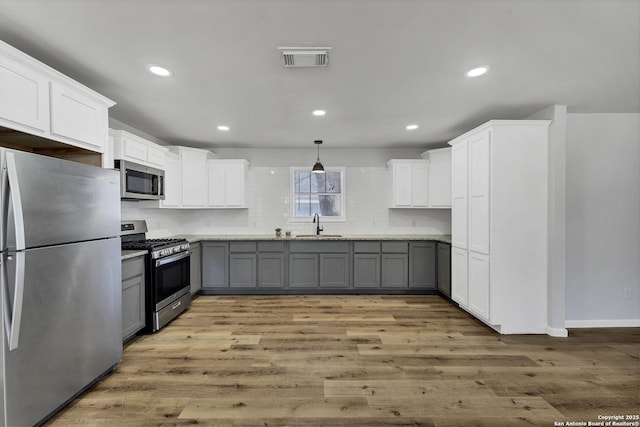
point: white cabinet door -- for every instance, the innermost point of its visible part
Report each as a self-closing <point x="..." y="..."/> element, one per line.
<point x="24" y="96"/>
<point x="134" y="149"/>
<point x="226" y="183"/>
<point x="479" y="285"/>
<point x="194" y="178"/>
<point x="420" y="184"/>
<point x="479" y="201"/>
<point x="172" y="181"/>
<point x="216" y="184"/>
<point x="459" y="194"/>
<point x="234" y="185"/>
<point x="440" y="178"/>
<point x="460" y="276"/>
<point x="402" y="178"/>
<point x="79" y="118"/>
<point x="155" y="156"/>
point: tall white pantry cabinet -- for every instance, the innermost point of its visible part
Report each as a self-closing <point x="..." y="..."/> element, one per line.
<point x="499" y="224"/>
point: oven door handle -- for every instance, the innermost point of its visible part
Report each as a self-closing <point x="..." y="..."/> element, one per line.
<point x="162" y="261"/>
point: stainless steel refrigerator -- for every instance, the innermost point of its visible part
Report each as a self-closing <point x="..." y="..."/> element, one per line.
<point x="61" y="282"/>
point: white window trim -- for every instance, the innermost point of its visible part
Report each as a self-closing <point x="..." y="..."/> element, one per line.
<point x="343" y="196"/>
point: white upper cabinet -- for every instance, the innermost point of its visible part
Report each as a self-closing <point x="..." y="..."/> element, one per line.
<point x="439" y="180"/>
<point x="78" y="117"/>
<point x="227" y="178"/>
<point x="194" y="179"/>
<point x="422" y="183"/>
<point x="24" y="97"/>
<point x="38" y="100"/>
<point x="410" y="187"/>
<point x="127" y="146"/>
<point x="172" y="181"/>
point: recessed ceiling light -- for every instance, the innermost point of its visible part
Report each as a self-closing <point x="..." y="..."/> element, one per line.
<point x="411" y="127"/>
<point x="223" y="128"/>
<point x="319" y="112"/>
<point x="478" y="71"/>
<point x="158" y="70"/>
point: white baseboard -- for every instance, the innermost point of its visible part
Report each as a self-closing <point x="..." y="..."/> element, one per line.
<point x="557" y="332"/>
<point x="603" y="323"/>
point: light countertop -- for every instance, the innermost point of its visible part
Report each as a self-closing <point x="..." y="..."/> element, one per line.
<point x="193" y="238"/>
<point x="127" y="254"/>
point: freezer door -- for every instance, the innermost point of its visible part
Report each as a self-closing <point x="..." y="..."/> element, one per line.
<point x="70" y="329"/>
<point x="48" y="201"/>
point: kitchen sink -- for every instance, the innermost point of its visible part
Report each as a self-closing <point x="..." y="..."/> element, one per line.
<point x="320" y="236"/>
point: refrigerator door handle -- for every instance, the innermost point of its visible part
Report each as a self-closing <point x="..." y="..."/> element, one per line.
<point x="13" y="312"/>
<point x="16" y="200"/>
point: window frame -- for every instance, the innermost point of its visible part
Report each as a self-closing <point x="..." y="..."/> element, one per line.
<point x="343" y="197"/>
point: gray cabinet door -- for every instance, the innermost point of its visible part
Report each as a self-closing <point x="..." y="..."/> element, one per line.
<point x="422" y="265"/>
<point x="196" y="268"/>
<point x="395" y="270"/>
<point x="334" y="270"/>
<point x="214" y="265"/>
<point x="242" y="270"/>
<point x="366" y="270"/>
<point x="303" y="270"/>
<point x="271" y="270"/>
<point x="133" y="296"/>
<point x="444" y="268"/>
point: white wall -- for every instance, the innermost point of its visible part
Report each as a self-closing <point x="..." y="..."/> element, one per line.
<point x="556" y="294"/>
<point x="268" y="197"/>
<point x="603" y="220"/>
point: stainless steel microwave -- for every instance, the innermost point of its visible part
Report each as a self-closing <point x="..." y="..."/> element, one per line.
<point x="138" y="182"/>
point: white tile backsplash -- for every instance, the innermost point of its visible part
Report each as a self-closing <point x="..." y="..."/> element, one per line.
<point x="268" y="201"/>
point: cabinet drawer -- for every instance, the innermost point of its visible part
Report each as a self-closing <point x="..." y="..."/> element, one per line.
<point x="315" y="247"/>
<point x="366" y="247"/>
<point x="242" y="246"/>
<point x="395" y="247"/>
<point x="271" y="246"/>
<point x="132" y="267"/>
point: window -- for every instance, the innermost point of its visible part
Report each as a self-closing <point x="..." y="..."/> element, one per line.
<point x="317" y="193"/>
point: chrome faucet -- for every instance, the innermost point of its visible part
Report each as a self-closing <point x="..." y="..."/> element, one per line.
<point x="318" y="228"/>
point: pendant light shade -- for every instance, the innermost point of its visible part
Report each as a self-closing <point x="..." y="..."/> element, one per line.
<point x="318" y="168"/>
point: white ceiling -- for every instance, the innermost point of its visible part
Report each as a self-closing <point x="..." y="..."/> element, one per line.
<point x="393" y="63"/>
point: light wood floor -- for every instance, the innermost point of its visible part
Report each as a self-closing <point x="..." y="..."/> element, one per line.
<point x="358" y="361"/>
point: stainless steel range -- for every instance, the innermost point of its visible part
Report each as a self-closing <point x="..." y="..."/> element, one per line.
<point x="167" y="273"/>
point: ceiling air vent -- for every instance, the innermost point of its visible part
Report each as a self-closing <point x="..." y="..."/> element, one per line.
<point x="294" y="57"/>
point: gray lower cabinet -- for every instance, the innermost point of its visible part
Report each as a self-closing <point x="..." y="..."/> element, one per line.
<point x="242" y="270"/>
<point x="444" y="268"/>
<point x="133" y="296"/>
<point x="422" y="265"/>
<point x="215" y="274"/>
<point x="303" y="270"/>
<point x="366" y="264"/>
<point x="195" y="273"/>
<point x="395" y="265"/>
<point x="319" y="265"/>
<point x="242" y="264"/>
<point x="395" y="270"/>
<point x="366" y="270"/>
<point x="334" y="270"/>
<point x="271" y="265"/>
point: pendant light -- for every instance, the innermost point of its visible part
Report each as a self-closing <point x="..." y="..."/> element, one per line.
<point x="318" y="168"/>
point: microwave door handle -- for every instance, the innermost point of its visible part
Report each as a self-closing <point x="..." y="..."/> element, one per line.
<point x="16" y="201"/>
